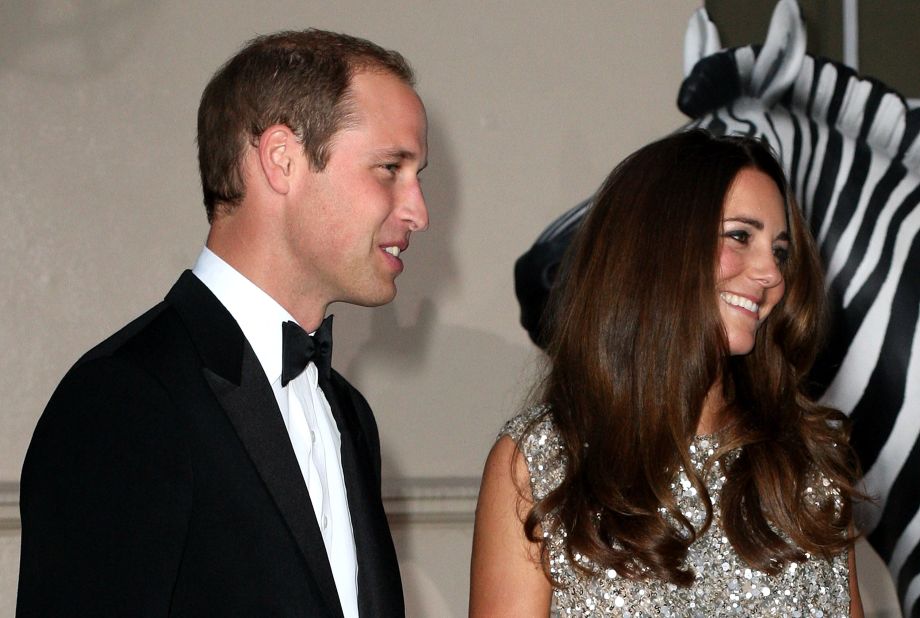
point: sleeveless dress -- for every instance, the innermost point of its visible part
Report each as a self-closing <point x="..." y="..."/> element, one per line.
<point x="725" y="585"/>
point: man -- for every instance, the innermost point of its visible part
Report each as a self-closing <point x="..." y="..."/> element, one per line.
<point x="204" y="461"/>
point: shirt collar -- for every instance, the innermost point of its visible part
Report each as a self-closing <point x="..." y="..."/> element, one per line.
<point x="258" y="315"/>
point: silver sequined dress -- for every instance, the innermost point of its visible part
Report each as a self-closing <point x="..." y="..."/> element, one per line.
<point x="725" y="584"/>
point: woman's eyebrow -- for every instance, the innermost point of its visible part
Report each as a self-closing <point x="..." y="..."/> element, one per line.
<point x="755" y="223"/>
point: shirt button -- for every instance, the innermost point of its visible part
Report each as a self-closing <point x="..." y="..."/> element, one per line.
<point x="325" y="522"/>
<point x="312" y="436"/>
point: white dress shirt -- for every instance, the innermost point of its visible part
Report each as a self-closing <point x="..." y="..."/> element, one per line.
<point x="305" y="411"/>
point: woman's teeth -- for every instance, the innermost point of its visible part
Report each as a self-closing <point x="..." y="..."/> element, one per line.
<point x="740" y="301"/>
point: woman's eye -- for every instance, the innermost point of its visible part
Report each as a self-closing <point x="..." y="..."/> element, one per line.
<point x="739" y="235"/>
<point x="781" y="255"/>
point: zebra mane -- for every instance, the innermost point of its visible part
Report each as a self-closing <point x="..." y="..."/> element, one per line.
<point x="827" y="92"/>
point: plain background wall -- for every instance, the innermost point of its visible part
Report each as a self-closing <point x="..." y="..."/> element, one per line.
<point x="530" y="105"/>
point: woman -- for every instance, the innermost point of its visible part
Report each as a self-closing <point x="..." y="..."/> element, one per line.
<point x="675" y="465"/>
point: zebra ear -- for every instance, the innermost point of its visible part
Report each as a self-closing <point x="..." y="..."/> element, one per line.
<point x="700" y="40"/>
<point x="780" y="60"/>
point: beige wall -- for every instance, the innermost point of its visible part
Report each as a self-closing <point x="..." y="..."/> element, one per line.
<point x="530" y="105"/>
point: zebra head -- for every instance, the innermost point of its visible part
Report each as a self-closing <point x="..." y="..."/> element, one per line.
<point x="850" y="148"/>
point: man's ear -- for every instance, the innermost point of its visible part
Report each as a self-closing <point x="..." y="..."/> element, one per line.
<point x="278" y="156"/>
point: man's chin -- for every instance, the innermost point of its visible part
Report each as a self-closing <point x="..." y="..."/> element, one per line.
<point x="381" y="297"/>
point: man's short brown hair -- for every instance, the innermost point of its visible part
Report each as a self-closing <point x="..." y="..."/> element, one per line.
<point x="297" y="79"/>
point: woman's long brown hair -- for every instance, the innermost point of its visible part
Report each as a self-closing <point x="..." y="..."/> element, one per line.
<point x="636" y="344"/>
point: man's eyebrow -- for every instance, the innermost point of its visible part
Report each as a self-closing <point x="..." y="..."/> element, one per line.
<point x="397" y="153"/>
<point x="402" y="155"/>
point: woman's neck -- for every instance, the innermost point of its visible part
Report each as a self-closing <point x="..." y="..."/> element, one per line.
<point x="711" y="419"/>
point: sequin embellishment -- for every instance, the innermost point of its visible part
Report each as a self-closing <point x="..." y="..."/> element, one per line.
<point x="725" y="584"/>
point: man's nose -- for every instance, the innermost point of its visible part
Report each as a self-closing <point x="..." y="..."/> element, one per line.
<point x="416" y="210"/>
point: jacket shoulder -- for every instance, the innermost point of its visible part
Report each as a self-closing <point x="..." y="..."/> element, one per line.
<point x="132" y="333"/>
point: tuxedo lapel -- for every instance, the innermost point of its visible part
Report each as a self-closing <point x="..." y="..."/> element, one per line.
<point x="379" y="585"/>
<point x="233" y="373"/>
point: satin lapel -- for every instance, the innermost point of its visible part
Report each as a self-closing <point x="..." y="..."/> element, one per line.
<point x="235" y="376"/>
<point x="379" y="584"/>
<point x="254" y="414"/>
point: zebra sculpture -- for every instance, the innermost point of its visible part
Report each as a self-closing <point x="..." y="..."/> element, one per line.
<point x="850" y="147"/>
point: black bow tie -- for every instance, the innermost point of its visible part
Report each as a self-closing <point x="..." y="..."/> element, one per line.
<point x="298" y="348"/>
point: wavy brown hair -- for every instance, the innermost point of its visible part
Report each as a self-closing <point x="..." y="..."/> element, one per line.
<point x="637" y="343"/>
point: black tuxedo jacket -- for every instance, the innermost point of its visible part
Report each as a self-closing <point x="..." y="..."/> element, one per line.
<point x="161" y="481"/>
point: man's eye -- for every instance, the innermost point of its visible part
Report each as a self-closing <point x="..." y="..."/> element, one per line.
<point x="391" y="167"/>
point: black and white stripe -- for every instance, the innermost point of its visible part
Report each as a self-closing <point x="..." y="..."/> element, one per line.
<point x="851" y="150"/>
